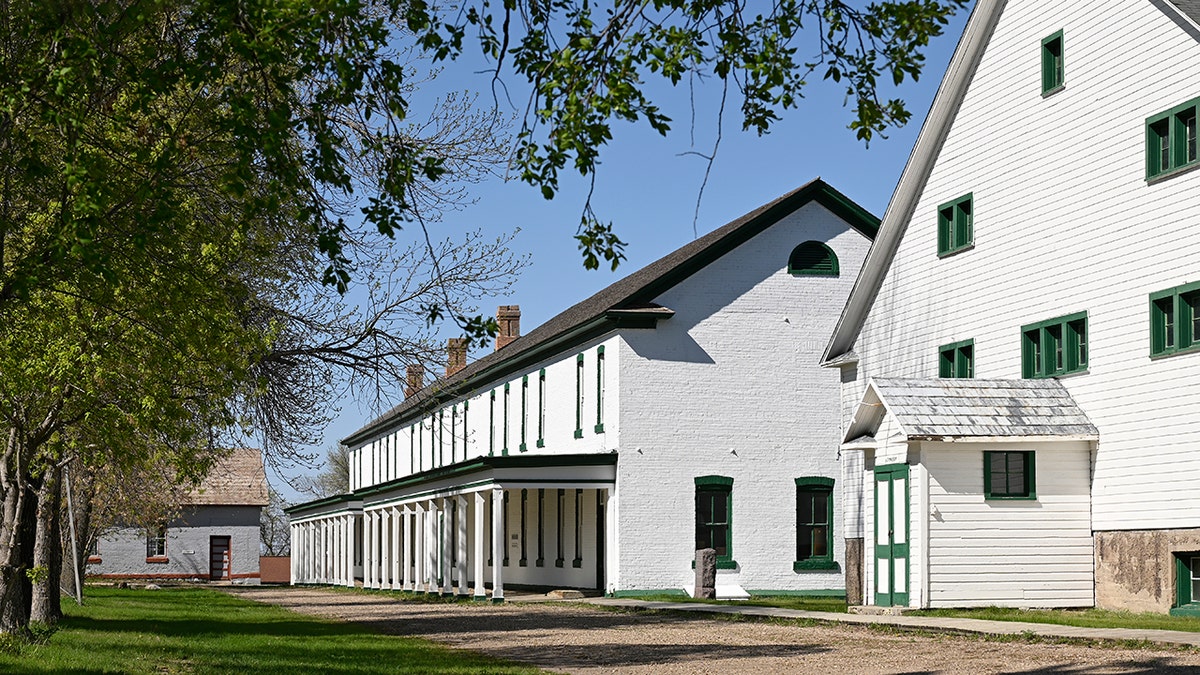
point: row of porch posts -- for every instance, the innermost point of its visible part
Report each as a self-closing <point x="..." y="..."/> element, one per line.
<point x="323" y="550"/>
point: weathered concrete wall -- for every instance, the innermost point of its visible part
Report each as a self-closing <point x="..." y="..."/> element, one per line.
<point x="854" y="571"/>
<point x="1135" y="571"/>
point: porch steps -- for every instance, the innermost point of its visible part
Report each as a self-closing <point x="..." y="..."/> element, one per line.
<point x="873" y="610"/>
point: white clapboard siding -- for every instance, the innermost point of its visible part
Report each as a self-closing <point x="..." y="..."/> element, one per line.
<point x="997" y="552"/>
<point x="1064" y="221"/>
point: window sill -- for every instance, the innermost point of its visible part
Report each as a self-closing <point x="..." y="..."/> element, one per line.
<point x="1186" y="610"/>
<point x="558" y="563"/>
<point x="522" y="563"/>
<point x="722" y="564"/>
<point x="577" y="563"/>
<point x="541" y="443"/>
<point x="955" y="251"/>
<point x="579" y="433"/>
<point x="1191" y="349"/>
<point x="1003" y="498"/>
<point x="158" y="559"/>
<point x="599" y="428"/>
<point x="522" y="448"/>
<point x="1073" y="373"/>
<point x="94" y="560"/>
<point x="1053" y="90"/>
<point x="815" y="565"/>
<point x="1171" y="173"/>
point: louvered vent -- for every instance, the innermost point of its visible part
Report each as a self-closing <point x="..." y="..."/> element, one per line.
<point x="812" y="258"/>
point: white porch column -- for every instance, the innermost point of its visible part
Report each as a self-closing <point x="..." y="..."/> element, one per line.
<point x="348" y="552"/>
<point x="611" y="570"/>
<point x="419" y="537"/>
<point x="447" y="536"/>
<point x="406" y="547"/>
<point x="432" y="550"/>
<point x="303" y="553"/>
<point x="370" y="560"/>
<point x="480" y="554"/>
<point x="461" y="541"/>
<point x="498" y="544"/>
<point x="397" y="549"/>
<point x="385" y="554"/>
<point x="326" y="537"/>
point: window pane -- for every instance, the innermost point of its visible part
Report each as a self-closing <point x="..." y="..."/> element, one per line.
<point x="1191" y="319"/>
<point x="719" y="542"/>
<point x="820" y="509"/>
<point x="1189" y="132"/>
<point x="804" y="508"/>
<point x="804" y="542"/>
<point x="1054" y="347"/>
<point x="819" y="538"/>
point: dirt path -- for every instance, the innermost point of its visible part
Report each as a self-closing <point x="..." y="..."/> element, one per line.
<point x="574" y="639"/>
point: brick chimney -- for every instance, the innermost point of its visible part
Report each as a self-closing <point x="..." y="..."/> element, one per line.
<point x="509" y="318"/>
<point x="456" y="355"/>
<point x="416" y="379"/>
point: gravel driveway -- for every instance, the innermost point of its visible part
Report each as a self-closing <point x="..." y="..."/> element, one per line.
<point x="575" y="639"/>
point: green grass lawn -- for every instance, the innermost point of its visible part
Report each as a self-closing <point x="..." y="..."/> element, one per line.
<point x="1088" y="618"/>
<point x="193" y="630"/>
<point x="807" y="603"/>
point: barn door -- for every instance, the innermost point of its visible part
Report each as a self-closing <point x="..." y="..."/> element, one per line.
<point x="891" y="535"/>
<point x="218" y="558"/>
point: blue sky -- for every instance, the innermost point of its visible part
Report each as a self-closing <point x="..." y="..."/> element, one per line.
<point x="648" y="189"/>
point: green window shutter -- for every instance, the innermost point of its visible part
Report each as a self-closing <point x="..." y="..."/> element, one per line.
<point x="813" y="258"/>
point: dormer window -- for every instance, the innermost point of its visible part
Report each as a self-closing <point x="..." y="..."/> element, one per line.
<point x="813" y="259"/>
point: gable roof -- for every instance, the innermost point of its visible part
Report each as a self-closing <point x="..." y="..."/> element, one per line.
<point x="1189" y="7"/>
<point x="943" y="409"/>
<point x="237" y="480"/>
<point x="624" y="304"/>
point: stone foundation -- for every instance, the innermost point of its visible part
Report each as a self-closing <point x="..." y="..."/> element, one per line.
<point x="1135" y="571"/>
<point x="854" y="571"/>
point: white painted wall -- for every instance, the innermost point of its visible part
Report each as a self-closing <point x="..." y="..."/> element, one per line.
<point x="1065" y="222"/>
<point x="730" y="386"/>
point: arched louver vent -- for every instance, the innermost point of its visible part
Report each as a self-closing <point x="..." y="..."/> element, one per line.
<point x="812" y="258"/>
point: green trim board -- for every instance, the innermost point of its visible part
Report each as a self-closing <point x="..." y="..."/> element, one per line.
<point x="524" y="412"/>
<point x="813" y="259"/>
<point x="1009" y="474"/>
<point x="957" y="359"/>
<point x="1053" y="67"/>
<point x="599" y="427"/>
<point x="579" y="395"/>
<point x="1057" y="346"/>
<point x="1171" y="143"/>
<point x="1175" y="320"/>
<point x="956" y="225"/>
<point x="325" y="501"/>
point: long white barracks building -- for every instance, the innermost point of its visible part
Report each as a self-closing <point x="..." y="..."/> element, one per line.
<point x="680" y="408"/>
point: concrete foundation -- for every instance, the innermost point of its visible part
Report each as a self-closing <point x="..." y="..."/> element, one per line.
<point x="1135" y="571"/>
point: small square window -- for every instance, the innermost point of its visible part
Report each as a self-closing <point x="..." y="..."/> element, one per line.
<point x="957" y="359"/>
<point x="956" y="228"/>
<point x="1052" y="63"/>
<point x="1008" y="475"/>
<point x="1055" y="347"/>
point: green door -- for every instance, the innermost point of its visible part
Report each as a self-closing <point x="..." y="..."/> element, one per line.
<point x="891" y="535"/>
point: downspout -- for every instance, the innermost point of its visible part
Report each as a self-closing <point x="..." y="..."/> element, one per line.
<point x="923" y="501"/>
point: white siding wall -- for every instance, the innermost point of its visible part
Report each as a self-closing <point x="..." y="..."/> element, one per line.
<point x="730" y="386"/>
<point x="1065" y="222"/>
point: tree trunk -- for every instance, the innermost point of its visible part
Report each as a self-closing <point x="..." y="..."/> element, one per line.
<point x="46" y="605"/>
<point x="16" y="557"/>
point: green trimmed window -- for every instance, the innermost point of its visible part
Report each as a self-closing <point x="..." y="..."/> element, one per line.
<point x="956" y="225"/>
<point x="814" y="524"/>
<point x="504" y="429"/>
<point x="492" y="424"/>
<point x="579" y="396"/>
<point x="1055" y="347"/>
<point x="714" y="517"/>
<point x="957" y="359"/>
<point x="1052" y="63"/>
<point x="1171" y="140"/>
<point x="541" y="439"/>
<point x="1009" y="475"/>
<point x="1175" y="320"/>
<point x="813" y="259"/>
<point x="600" y="389"/>
<point x="1187" y="584"/>
<point x="524" y="411"/>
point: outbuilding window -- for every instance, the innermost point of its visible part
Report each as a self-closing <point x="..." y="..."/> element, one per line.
<point x="714" y="517"/>
<point x="156" y="543"/>
<point x="1187" y="584"/>
<point x="814" y="524"/>
<point x="1009" y="475"/>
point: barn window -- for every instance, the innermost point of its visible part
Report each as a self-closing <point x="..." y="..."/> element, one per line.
<point x="714" y="518"/>
<point x="956" y="225"/>
<point x="1055" y="347"/>
<point x="957" y="359"/>
<point x="814" y="524"/>
<point x="1009" y="475"/>
<point x="813" y="259"/>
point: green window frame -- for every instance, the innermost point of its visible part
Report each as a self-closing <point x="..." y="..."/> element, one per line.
<point x="956" y="225"/>
<point x="1053" y="72"/>
<point x="541" y="529"/>
<point x="1175" y="320"/>
<point x="524" y="411"/>
<point x="814" y="524"/>
<point x="1055" y="347"/>
<point x="541" y="439"/>
<point x="504" y="429"/>
<point x="957" y="359"/>
<point x="1009" y="474"/>
<point x="813" y="259"/>
<point x="714" y="518"/>
<point x="559" y="522"/>
<point x="599" y="428"/>
<point x="453" y="434"/>
<point x="579" y="396"/>
<point x="1171" y="140"/>
<point x="577" y="562"/>
<point x="1187" y="584"/>
<point x="492" y="425"/>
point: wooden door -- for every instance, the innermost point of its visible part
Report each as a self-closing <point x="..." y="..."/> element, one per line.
<point x="891" y="535"/>
<point x="218" y="558"/>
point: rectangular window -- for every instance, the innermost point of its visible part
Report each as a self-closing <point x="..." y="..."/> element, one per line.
<point x="541" y="527"/>
<point x="441" y="437"/>
<point x="541" y="439"/>
<point x="466" y="451"/>
<point x="1175" y="320"/>
<point x="956" y="227"/>
<point x="453" y="434"/>
<point x="1008" y="475"/>
<point x="814" y="524"/>
<point x="492" y="425"/>
<point x="504" y="524"/>
<point x="1055" y="347"/>
<point x="957" y="359"/>
<point x="523" y="562"/>
<point x="504" y="436"/>
<point x="578" y="561"/>
<point x="524" y="411"/>
<point x="1171" y="140"/>
<point x="156" y="543"/>
<point x="1052" y="63"/>
<point x="579" y="396"/>
<point x="600" y="389"/>
<point x="412" y="449"/>
<point x="559" y="522"/>
<point x="714" y="518"/>
<point x="1187" y="584"/>
<point x="419" y="430"/>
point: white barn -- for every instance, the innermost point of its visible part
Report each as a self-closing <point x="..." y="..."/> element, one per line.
<point x="683" y="406"/>
<point x="1042" y="235"/>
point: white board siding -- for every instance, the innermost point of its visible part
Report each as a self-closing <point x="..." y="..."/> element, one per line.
<point x="731" y="386"/>
<point x="1064" y="222"/>
<point x="1011" y="553"/>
